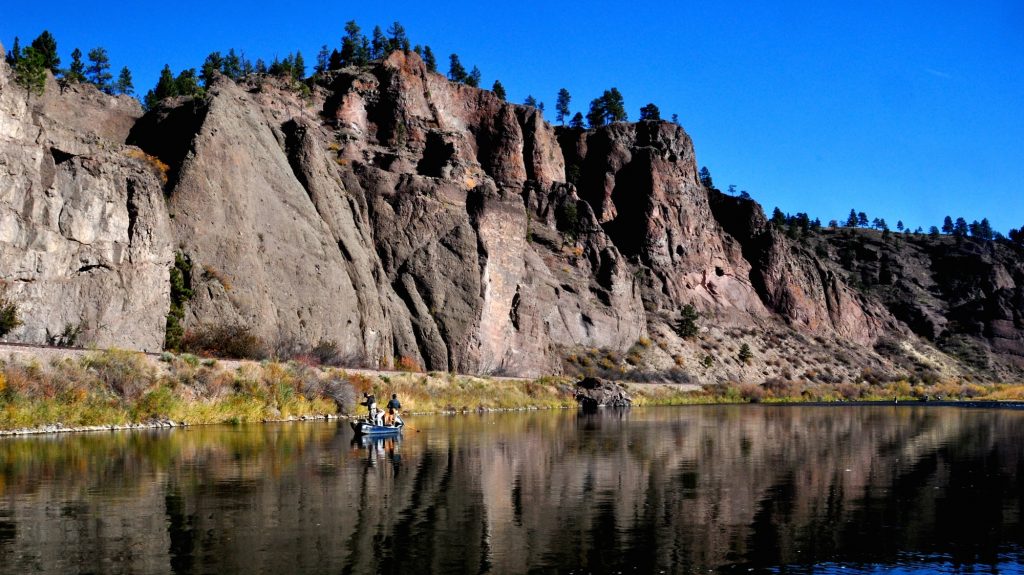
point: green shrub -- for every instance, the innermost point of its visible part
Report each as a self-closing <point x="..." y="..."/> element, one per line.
<point x="8" y="312"/>
<point x="228" y="341"/>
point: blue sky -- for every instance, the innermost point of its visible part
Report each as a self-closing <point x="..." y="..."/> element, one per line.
<point x="905" y="110"/>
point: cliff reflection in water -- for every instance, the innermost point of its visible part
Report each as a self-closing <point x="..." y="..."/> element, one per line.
<point x="680" y="489"/>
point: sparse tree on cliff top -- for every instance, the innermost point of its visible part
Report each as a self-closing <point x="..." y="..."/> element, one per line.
<point x="14" y="53"/>
<point x="947" y="225"/>
<point x="298" y="67"/>
<point x="323" y="58"/>
<point x="456" y="71"/>
<point x="46" y="46"/>
<point x="498" y="90"/>
<point x="30" y="72"/>
<point x="851" y="222"/>
<point x="650" y="112"/>
<point x="862" y="219"/>
<point x="378" y="45"/>
<point x="211" y="65"/>
<point x="353" y="51"/>
<point x="165" y="88"/>
<point x="530" y="101"/>
<point x="577" y="121"/>
<point x="474" y="78"/>
<point x="429" y="60"/>
<point x="960" y="228"/>
<point x="124" y="84"/>
<point x="899" y="225"/>
<point x="398" y="40"/>
<point x="98" y="71"/>
<point x="562" y="106"/>
<point x="596" y="115"/>
<point x="705" y="178"/>
<point x="76" y="73"/>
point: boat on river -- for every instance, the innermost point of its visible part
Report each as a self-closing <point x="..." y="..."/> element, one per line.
<point x="366" y="427"/>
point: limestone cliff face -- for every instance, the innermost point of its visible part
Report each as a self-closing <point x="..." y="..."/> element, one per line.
<point x="397" y="214"/>
<point x="84" y="234"/>
<point x="387" y="215"/>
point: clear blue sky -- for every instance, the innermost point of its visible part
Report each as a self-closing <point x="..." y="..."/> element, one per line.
<point x="904" y="110"/>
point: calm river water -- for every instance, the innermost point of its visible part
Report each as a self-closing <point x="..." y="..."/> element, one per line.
<point x="679" y="490"/>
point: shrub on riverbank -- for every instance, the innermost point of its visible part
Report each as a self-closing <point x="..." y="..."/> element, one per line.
<point x="117" y="387"/>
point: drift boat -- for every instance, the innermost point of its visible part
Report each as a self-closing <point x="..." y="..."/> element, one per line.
<point x="366" y="427"/>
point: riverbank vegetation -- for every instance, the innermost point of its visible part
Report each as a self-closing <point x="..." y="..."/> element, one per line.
<point x="117" y="387"/>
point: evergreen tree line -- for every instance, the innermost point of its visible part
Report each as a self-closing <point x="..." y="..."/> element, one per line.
<point x="356" y="49"/>
<point x="802" y="223"/>
<point x="31" y="63"/>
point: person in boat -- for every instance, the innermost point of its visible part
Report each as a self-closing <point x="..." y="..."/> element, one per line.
<point x="394" y="405"/>
<point x="371" y="406"/>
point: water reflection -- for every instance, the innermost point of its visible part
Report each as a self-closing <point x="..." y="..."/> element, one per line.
<point x="730" y="489"/>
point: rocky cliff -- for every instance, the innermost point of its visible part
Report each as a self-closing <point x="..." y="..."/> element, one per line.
<point x="402" y="216"/>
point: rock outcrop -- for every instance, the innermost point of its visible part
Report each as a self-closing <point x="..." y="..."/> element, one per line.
<point x="593" y="392"/>
<point x="407" y="218"/>
<point x="85" y="242"/>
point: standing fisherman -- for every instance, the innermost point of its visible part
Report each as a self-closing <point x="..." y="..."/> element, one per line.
<point x="393" y="406"/>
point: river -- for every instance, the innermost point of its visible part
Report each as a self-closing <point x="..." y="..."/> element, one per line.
<point x="793" y="489"/>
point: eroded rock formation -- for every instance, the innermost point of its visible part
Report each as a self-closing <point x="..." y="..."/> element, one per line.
<point x="400" y="215"/>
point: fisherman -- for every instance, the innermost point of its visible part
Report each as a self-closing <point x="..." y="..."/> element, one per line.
<point x="371" y="406"/>
<point x="393" y="406"/>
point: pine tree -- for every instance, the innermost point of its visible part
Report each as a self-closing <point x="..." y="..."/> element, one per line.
<point x="322" y="59"/>
<point x="745" y="355"/>
<point x="30" y="71"/>
<point x="985" y="229"/>
<point x="429" y="59"/>
<point x="211" y="66"/>
<point x="498" y="90"/>
<point x="596" y="115"/>
<point x="352" y="47"/>
<point x="650" y="112"/>
<point x="98" y="71"/>
<point x="76" y="73"/>
<point x="862" y="219"/>
<point x="947" y="225"/>
<point x="576" y="121"/>
<point x="335" y="62"/>
<point x="14" y="54"/>
<point x="705" y="178"/>
<point x="530" y="101"/>
<point x="562" y="105"/>
<point x="124" y="82"/>
<point x="298" y="67"/>
<point x="165" y="88"/>
<point x="474" y="77"/>
<point x="187" y="83"/>
<point x="46" y="46"/>
<point x="456" y="72"/>
<point x="899" y="225"/>
<point x="615" y="106"/>
<point x="232" y="65"/>
<point x="960" y="228"/>
<point x="398" y="40"/>
<point x="851" y="222"/>
<point x="379" y="44"/>
<point x="778" y="218"/>
<point x="675" y="119"/>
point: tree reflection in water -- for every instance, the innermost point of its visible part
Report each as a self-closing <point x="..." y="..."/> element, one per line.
<point x="793" y="489"/>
